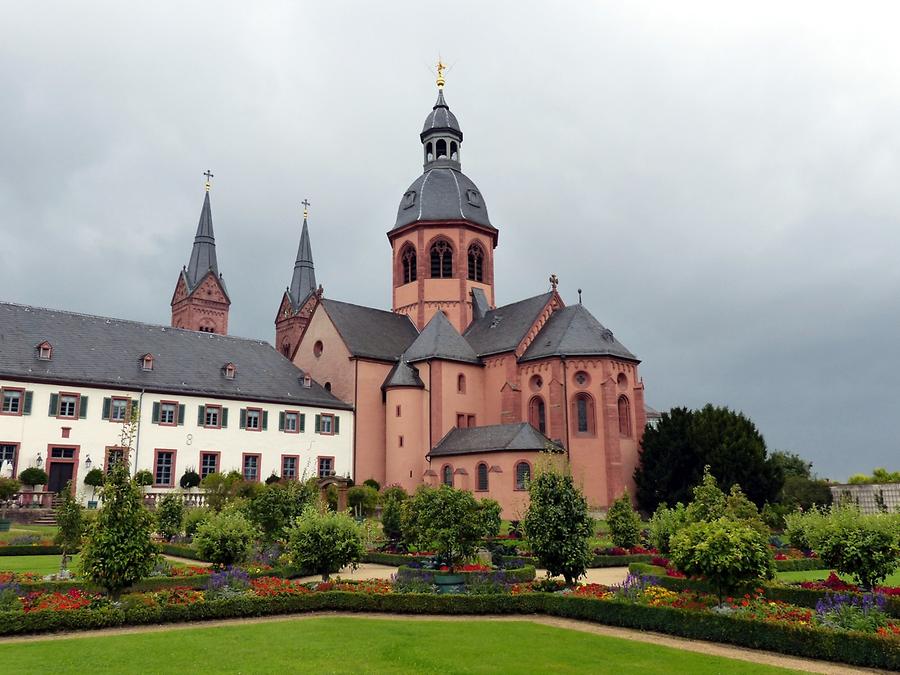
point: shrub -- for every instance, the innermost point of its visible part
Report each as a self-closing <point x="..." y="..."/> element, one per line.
<point x="664" y="524"/>
<point x="372" y="483"/>
<point x="220" y="488"/>
<point x="169" y="516"/>
<point x="8" y="488"/>
<point x="489" y="511"/>
<point x="624" y="523"/>
<point x="143" y="478"/>
<point x="193" y="518"/>
<point x="392" y="512"/>
<point x="726" y="552"/>
<point x="331" y="497"/>
<point x="362" y="499"/>
<point x="443" y="518"/>
<point x="865" y="546"/>
<point x="96" y="477"/>
<point x="324" y="541"/>
<point x="275" y="506"/>
<point x="33" y="476"/>
<point x="189" y="479"/>
<point x="225" y="538"/>
<point x="117" y="549"/>
<point x="557" y="524"/>
<point x="709" y="501"/>
<point x="70" y="525"/>
<point x="799" y="527"/>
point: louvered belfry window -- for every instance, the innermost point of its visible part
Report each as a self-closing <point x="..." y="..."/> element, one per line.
<point x="441" y="260"/>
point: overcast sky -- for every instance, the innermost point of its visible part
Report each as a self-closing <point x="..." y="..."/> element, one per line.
<point x="722" y="184"/>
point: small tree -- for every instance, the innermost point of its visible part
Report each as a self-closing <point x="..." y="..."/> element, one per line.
<point x="118" y="550"/>
<point x="324" y="542"/>
<point x="143" y="478"/>
<point x="33" y="476"/>
<point x="624" y="523"/>
<point x="95" y="478"/>
<point x="220" y="488"/>
<point x="226" y="538"/>
<point x="664" y="524"/>
<point x="489" y="511"/>
<point x="865" y="546"/>
<point x="557" y="524"/>
<point x="709" y="502"/>
<point x="274" y="508"/>
<point x="362" y="499"/>
<point x="726" y="552"/>
<point x="70" y="523"/>
<point x="169" y="515"/>
<point x="392" y="512"/>
<point x="443" y="518"/>
<point x="189" y="479"/>
<point x="372" y="483"/>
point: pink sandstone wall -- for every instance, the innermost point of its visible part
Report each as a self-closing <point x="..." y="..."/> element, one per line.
<point x="405" y="463"/>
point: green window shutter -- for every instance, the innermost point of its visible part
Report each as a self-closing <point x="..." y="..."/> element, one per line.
<point x="26" y="406"/>
<point x="318" y="424"/>
<point x="82" y="406"/>
<point x="107" y="402"/>
<point x="224" y="417"/>
<point x="302" y="422"/>
<point x="155" y="418"/>
<point x="337" y="424"/>
<point x="201" y="415"/>
<point x="265" y="420"/>
<point x="54" y="405"/>
<point x="281" y="421"/>
<point x="181" y="414"/>
<point x="243" y="418"/>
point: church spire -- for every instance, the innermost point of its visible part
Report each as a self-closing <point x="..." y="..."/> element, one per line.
<point x="304" y="280"/>
<point x="203" y="255"/>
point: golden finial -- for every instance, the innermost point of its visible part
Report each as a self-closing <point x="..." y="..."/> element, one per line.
<point x="209" y="176"/>
<point x="305" y="203"/>
<point x="441" y="67"/>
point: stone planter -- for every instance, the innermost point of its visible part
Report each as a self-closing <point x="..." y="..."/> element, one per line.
<point x="450" y="583"/>
<point x="4" y="525"/>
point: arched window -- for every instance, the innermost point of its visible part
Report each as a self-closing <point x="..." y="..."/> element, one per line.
<point x="447" y="475"/>
<point x="624" y="416"/>
<point x="523" y="475"/>
<point x="482" y="476"/>
<point x="408" y="260"/>
<point x="441" y="260"/>
<point x="537" y="414"/>
<point x="454" y="153"/>
<point x="429" y="152"/>
<point x="461" y="383"/>
<point x="584" y="414"/>
<point x="476" y="263"/>
<point x="441" y="149"/>
<point x="286" y="349"/>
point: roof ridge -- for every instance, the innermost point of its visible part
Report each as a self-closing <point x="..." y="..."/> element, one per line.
<point x="373" y="309"/>
<point x="6" y="303"/>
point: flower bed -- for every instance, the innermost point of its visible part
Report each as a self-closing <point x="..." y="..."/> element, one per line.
<point x="477" y="574"/>
<point x="751" y="621"/>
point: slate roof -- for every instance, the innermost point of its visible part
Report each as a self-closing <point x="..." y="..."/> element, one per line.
<point x="440" y="117"/>
<point x="573" y="331"/>
<point x="99" y="351"/>
<point x="203" y="253"/>
<point x="303" y="281"/>
<point x="480" y="304"/>
<point x="501" y="329"/>
<point x="440" y="340"/>
<point x="442" y="192"/>
<point x="371" y="333"/>
<point x="494" y="438"/>
<point x="403" y="375"/>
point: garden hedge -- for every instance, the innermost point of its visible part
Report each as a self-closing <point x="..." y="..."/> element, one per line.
<point x="30" y="549"/>
<point x="596" y="561"/>
<point x="181" y="551"/>
<point x="794" y="595"/>
<point x="860" y="649"/>
<point x="513" y="576"/>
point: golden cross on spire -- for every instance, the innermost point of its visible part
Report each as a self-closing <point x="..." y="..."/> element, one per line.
<point x="441" y="67"/>
<point x="209" y="176"/>
<point x="305" y="203"/>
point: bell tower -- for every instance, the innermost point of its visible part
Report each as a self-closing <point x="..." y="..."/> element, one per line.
<point x="300" y="298"/>
<point x="201" y="301"/>
<point x="442" y="241"/>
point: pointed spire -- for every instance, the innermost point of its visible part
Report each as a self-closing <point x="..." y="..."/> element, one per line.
<point x="203" y="255"/>
<point x="304" y="280"/>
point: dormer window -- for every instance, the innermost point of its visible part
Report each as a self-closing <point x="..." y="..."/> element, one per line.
<point x="229" y="369"/>
<point x="147" y="362"/>
<point x="307" y="381"/>
<point x="45" y="351"/>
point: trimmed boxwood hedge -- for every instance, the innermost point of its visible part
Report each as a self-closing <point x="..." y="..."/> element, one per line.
<point x="798" y="564"/>
<point x="794" y="595"/>
<point x="859" y="649"/>
<point x="181" y="551"/>
<point x="30" y="550"/>
<point x="513" y="576"/>
<point x="596" y="561"/>
<point x="390" y="559"/>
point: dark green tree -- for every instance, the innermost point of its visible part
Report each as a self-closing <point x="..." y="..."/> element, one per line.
<point x="70" y="521"/>
<point x="445" y="519"/>
<point x="673" y="456"/>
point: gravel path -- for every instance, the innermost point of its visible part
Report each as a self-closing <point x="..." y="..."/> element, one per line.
<point x="602" y="575"/>
<point x="700" y="647"/>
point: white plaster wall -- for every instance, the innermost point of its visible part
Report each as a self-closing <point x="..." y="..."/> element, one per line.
<point x="36" y="432"/>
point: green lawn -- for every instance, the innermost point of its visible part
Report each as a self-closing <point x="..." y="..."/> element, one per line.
<point x="814" y="575"/>
<point x="352" y="645"/>
<point x="17" y="530"/>
<point x="42" y="564"/>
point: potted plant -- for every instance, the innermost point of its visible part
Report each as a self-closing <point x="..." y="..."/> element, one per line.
<point x="33" y="477"/>
<point x="95" y="478"/>
<point x="8" y="488"/>
<point x="189" y="480"/>
<point x="143" y="478"/>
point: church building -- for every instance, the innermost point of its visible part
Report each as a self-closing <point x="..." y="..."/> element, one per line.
<point x="447" y="386"/>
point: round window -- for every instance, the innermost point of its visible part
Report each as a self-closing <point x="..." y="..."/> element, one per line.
<point x="317" y="348"/>
<point x="582" y="379"/>
<point x="536" y="382"/>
